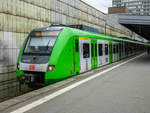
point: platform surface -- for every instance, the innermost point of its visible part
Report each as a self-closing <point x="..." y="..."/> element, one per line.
<point x="125" y="89"/>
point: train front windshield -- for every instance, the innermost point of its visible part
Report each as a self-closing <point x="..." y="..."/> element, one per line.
<point x="41" y="42"/>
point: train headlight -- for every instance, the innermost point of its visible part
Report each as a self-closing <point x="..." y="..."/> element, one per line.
<point x="18" y="66"/>
<point x="51" y="67"/>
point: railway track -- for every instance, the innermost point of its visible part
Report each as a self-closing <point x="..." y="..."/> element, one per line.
<point x="10" y="88"/>
<point x="7" y="82"/>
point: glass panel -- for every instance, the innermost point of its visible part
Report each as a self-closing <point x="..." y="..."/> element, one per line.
<point x="95" y="49"/>
<point x="41" y="42"/>
<point x="86" y="50"/>
<point x="106" y="49"/>
<point x="114" y="49"/>
<point x="100" y="47"/>
<point x="77" y="45"/>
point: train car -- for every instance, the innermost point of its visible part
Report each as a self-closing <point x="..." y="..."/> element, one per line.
<point x="54" y="53"/>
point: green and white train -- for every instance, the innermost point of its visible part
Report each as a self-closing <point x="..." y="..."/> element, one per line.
<point x="57" y="52"/>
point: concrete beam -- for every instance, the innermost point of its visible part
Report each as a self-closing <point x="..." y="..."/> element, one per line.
<point x="134" y="19"/>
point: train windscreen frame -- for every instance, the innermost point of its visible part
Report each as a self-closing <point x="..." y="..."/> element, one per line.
<point x="41" y="42"/>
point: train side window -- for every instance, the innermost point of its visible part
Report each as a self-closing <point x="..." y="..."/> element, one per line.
<point x="77" y="45"/>
<point x="100" y="49"/>
<point x="95" y="49"/>
<point x="106" y="49"/>
<point x="114" y="49"/>
<point x="122" y="47"/>
<point x="86" y="50"/>
<point x="92" y="50"/>
<point x="117" y="49"/>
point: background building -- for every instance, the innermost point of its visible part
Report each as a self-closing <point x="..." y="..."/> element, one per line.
<point x="118" y="10"/>
<point x="140" y="7"/>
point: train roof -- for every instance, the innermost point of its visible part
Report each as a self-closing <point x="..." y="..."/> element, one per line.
<point x="80" y="32"/>
<point x="105" y="37"/>
<point x="49" y="28"/>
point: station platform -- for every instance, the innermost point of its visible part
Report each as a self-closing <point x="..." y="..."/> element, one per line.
<point x="122" y="87"/>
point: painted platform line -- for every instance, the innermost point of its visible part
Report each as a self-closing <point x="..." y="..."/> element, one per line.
<point x="62" y="91"/>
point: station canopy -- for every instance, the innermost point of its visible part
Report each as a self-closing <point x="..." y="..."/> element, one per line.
<point x="136" y="23"/>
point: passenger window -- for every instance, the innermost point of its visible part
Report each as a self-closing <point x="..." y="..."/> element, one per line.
<point x="95" y="49"/>
<point x="120" y="46"/>
<point x="106" y="49"/>
<point x="100" y="49"/>
<point x="92" y="50"/>
<point x="114" y="49"/>
<point x="77" y="45"/>
<point x="86" y="50"/>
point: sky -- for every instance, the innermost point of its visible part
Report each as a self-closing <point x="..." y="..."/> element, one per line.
<point x="101" y="5"/>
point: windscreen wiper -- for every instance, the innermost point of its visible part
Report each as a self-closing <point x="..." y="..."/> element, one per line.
<point x="48" y="44"/>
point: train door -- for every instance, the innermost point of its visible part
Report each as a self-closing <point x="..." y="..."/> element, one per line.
<point x="85" y="58"/>
<point x="94" y="53"/>
<point x="115" y="51"/>
<point x="101" y="53"/>
<point x="106" y="46"/>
